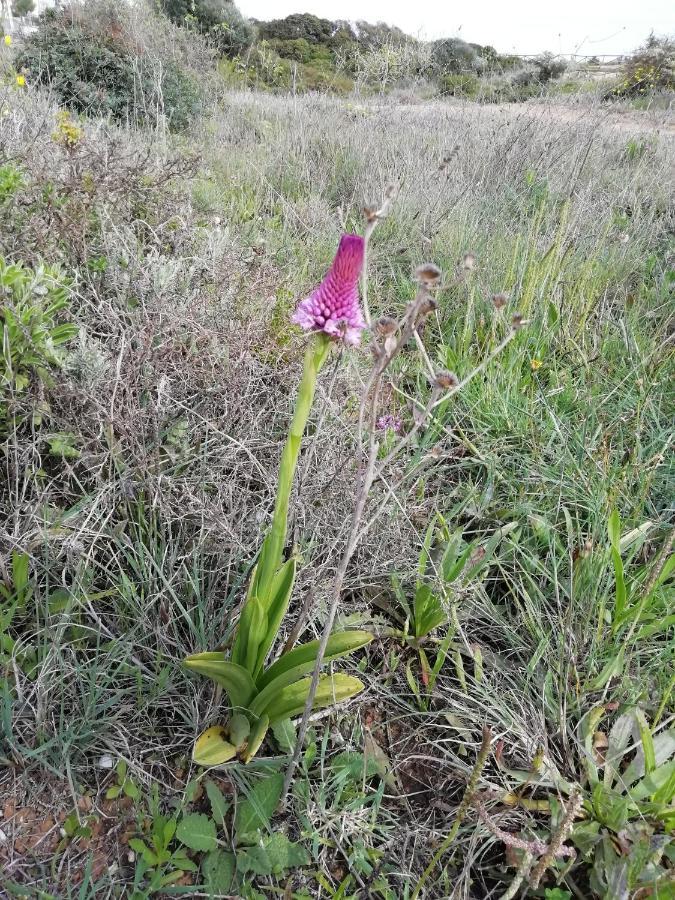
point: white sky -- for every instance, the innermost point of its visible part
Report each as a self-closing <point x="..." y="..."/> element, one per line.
<point x="522" y="26"/>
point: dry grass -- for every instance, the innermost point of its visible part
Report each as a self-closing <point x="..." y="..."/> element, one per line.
<point x="185" y="262"/>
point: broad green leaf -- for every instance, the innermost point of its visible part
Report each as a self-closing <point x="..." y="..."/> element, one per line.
<point x="290" y="701"/>
<point x="660" y="784"/>
<point x="610" y="807"/>
<point x="197" y="832"/>
<point x="212" y="748"/>
<point x="257" y="808"/>
<point x="256" y="737"/>
<point x="234" y="679"/>
<point x="610" y="670"/>
<point x="340" y="643"/>
<point x="274" y="856"/>
<point x="614" y="528"/>
<point x="355" y="765"/>
<point x="218" y="870"/>
<point x="219" y="805"/>
<point x="284" y="734"/>
<point x="450" y="554"/>
<point x="256" y="631"/>
<point x="664" y="750"/>
<point x="20" y="565"/>
<point x="238" y="729"/>
<point x="617" y="742"/>
<point x="452" y="573"/>
<point x="280" y="596"/>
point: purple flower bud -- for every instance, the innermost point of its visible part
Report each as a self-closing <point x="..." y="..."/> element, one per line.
<point x="389" y="423"/>
<point x="334" y="306"/>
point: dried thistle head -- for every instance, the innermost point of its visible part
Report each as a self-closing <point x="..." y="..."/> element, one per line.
<point x="428" y="305"/>
<point x="468" y="262"/>
<point x="499" y="301"/>
<point x="446" y="380"/>
<point x="386" y="326"/>
<point x="428" y="274"/>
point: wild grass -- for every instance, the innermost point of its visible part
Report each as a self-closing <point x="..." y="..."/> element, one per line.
<point x="176" y="398"/>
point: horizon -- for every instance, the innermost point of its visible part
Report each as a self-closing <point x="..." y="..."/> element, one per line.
<point x="607" y="28"/>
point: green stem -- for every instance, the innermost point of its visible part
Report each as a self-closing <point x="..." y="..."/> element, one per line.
<point x="270" y="562"/>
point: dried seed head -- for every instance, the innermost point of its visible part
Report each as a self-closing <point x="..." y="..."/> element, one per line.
<point x="370" y="214"/>
<point x="429" y="275"/>
<point x="428" y="305"/>
<point x="386" y="325"/>
<point x="499" y="301"/>
<point x="468" y="262"/>
<point x="446" y="380"/>
<point x="517" y="321"/>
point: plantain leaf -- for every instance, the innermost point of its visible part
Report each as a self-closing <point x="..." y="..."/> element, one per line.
<point x="290" y="701"/>
<point x="659" y="785"/>
<point x="280" y="596"/>
<point x="255" y="739"/>
<point x="256" y="810"/>
<point x="339" y="644"/>
<point x="234" y="679"/>
<point x="197" y="832"/>
<point x="212" y="748"/>
<point x="219" y="805"/>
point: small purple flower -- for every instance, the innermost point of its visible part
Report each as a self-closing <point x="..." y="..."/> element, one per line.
<point x="389" y="423"/>
<point x="334" y="306"/>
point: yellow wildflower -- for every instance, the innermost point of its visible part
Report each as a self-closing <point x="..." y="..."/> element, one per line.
<point x="536" y="364"/>
<point x="8" y="40"/>
<point x="20" y="81"/>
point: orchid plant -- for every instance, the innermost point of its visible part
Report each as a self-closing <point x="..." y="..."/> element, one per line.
<point x="260" y="695"/>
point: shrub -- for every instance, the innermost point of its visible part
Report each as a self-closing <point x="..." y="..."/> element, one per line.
<point x="88" y="57"/>
<point x="651" y="68"/>
<point x="32" y="335"/>
<point x="23" y="7"/>
<point x="219" y="20"/>
<point x="452" y="55"/>
<point x="548" y="67"/>
<point x="460" y="85"/>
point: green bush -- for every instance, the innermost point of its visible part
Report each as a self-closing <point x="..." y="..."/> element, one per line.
<point x="460" y="85"/>
<point x="32" y="333"/>
<point x="219" y="20"/>
<point x="88" y="59"/>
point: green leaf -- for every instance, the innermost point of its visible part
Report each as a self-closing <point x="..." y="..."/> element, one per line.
<point x="256" y="625"/>
<point x="197" y="832"/>
<point x="621" y="593"/>
<point x="284" y="734"/>
<point x="256" y="737"/>
<point x="212" y="747"/>
<point x="664" y="750"/>
<point x="290" y="701"/>
<point x="303" y="657"/>
<point x="219" y="805"/>
<point x="280" y="592"/>
<point x="610" y="670"/>
<point x="131" y="789"/>
<point x="659" y="785"/>
<point x="614" y="528"/>
<point x="617" y="742"/>
<point x="610" y="808"/>
<point x="275" y="856"/>
<point x="647" y="741"/>
<point x="238" y="728"/>
<point x="218" y="870"/>
<point x="256" y="810"/>
<point x="234" y="679"/>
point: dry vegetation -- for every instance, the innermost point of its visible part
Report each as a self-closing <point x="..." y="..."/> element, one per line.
<point x="139" y="467"/>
